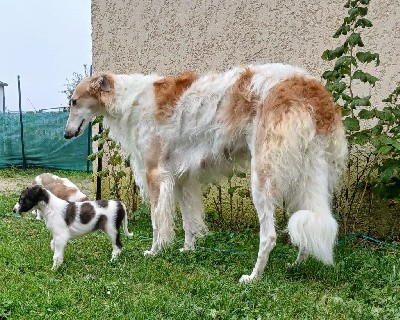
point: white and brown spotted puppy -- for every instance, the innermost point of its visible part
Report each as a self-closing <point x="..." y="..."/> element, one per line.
<point x="60" y="187"/>
<point x="179" y="131"/>
<point x="67" y="220"/>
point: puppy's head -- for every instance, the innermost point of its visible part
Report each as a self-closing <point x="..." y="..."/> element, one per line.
<point x="30" y="198"/>
<point x="90" y="98"/>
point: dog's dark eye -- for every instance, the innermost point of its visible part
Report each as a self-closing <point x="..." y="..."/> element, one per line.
<point x="72" y="102"/>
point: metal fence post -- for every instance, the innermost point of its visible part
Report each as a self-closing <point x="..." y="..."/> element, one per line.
<point x="21" y="124"/>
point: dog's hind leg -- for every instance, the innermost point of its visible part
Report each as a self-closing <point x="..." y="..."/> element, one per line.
<point x="190" y="196"/>
<point x="114" y="236"/>
<point x="265" y="207"/>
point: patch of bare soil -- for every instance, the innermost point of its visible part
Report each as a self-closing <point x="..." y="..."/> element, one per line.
<point x="14" y="185"/>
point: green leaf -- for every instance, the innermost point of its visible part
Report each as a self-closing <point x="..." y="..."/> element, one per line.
<point x="384" y="149"/>
<point x="351" y="124"/>
<point x="354" y="40"/>
<point x="365" y="77"/>
<point x="333" y="54"/>
<point x="387" y="174"/>
<point x="363" y="23"/>
<point x="121" y="174"/>
<point x="367" y="56"/>
<point x="357" y="102"/>
<point x="346" y="97"/>
<point x="345" y="112"/>
<point x="91" y="157"/>
<point x="344" y="29"/>
<point x="366" y="114"/>
<point x="361" y="138"/>
<point x="385" y="115"/>
<point x="343" y="64"/>
<point x="337" y="86"/>
<point x="353" y="12"/>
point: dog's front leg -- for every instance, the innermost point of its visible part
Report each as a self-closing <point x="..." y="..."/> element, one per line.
<point x="161" y="186"/>
<point x="59" y="244"/>
<point x="190" y="196"/>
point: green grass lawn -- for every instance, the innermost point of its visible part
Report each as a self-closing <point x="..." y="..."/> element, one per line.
<point x="364" y="283"/>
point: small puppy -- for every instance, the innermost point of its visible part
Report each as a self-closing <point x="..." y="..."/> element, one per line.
<point x="60" y="187"/>
<point x="67" y="220"/>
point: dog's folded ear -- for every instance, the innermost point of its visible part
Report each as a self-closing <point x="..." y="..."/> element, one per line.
<point x="38" y="193"/>
<point x="101" y="82"/>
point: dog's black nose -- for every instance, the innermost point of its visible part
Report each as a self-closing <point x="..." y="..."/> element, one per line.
<point x="15" y="211"/>
<point x="67" y="135"/>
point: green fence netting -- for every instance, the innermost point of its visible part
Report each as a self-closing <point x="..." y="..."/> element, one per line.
<point x="40" y="142"/>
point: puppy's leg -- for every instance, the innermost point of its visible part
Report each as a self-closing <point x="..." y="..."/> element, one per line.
<point x="52" y="245"/>
<point x="161" y="187"/>
<point x="59" y="246"/>
<point x="39" y="214"/>
<point x="190" y="196"/>
<point x="113" y="233"/>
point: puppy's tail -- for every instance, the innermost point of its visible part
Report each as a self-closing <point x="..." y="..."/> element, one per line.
<point x="125" y="224"/>
<point x="314" y="234"/>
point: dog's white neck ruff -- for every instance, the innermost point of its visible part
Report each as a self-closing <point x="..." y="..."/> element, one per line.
<point x="55" y="206"/>
<point x="129" y="119"/>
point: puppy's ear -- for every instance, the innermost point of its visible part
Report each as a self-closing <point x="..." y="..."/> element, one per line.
<point x="39" y="193"/>
<point x="102" y="83"/>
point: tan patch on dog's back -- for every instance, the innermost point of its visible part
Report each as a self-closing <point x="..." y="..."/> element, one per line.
<point x="167" y="92"/>
<point x="295" y="99"/>
<point x="241" y="104"/>
<point x="60" y="190"/>
<point x="309" y="94"/>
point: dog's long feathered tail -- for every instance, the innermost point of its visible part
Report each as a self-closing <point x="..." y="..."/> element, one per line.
<point x="313" y="228"/>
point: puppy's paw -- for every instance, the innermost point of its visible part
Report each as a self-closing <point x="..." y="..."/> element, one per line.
<point x="115" y="255"/>
<point x="187" y="249"/>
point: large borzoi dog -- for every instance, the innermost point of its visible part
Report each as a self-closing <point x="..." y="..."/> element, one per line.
<point x="179" y="131"/>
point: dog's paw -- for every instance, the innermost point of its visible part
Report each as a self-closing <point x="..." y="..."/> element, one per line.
<point x="114" y="255"/>
<point x="246" y="278"/>
<point x="149" y="253"/>
<point x="55" y="266"/>
<point x="186" y="249"/>
<point x="292" y="264"/>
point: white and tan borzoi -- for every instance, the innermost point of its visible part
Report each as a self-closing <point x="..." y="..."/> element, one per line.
<point x="62" y="188"/>
<point x="67" y="220"/>
<point x="179" y="131"/>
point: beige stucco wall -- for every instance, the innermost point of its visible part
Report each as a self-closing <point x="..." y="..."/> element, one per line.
<point x="167" y="37"/>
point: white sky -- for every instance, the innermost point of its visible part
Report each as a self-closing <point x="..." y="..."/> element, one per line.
<point x="43" y="41"/>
